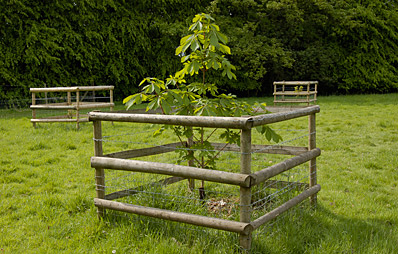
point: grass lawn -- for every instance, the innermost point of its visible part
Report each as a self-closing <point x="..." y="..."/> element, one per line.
<point x="47" y="188"/>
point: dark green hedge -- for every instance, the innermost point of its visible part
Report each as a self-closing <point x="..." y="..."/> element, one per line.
<point x="350" y="47"/>
<point x="86" y="42"/>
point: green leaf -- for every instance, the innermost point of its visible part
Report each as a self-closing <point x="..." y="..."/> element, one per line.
<point x="129" y="104"/>
<point x="260" y="129"/>
<point x="138" y="99"/>
<point x="199" y="111"/>
<point x="184" y="39"/>
<point x="196" y="18"/>
<point x="216" y="27"/>
<point x="268" y="135"/>
<point x="229" y="74"/>
<point x="214" y="41"/>
<point x="190" y="69"/>
<point x="142" y="82"/>
<point x="127" y="99"/>
<point x="151" y="105"/>
<point x="178" y="50"/>
<point x="185" y="58"/>
<point x="223" y="38"/>
<point x="225" y="49"/>
<point x="166" y="107"/>
<point x="196" y="66"/>
<point x="194" y="45"/>
<point x="159" y="131"/>
<point x="187" y="43"/>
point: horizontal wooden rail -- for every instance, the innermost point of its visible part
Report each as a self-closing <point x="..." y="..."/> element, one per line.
<point x="57" y="120"/>
<point x="198" y="121"/>
<point x="70" y="89"/>
<point x="134" y="153"/>
<point x="204" y="121"/>
<point x="90" y="105"/>
<point x="295" y="93"/>
<point x="52" y="107"/>
<point x="295" y="82"/>
<point x="82" y="105"/>
<point x="286" y="206"/>
<point x="282" y="116"/>
<point x="172" y="170"/>
<point x="262" y="175"/>
<point x="198" y="220"/>
<point x="294" y="100"/>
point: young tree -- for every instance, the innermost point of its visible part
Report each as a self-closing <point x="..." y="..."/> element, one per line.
<point x="203" y="50"/>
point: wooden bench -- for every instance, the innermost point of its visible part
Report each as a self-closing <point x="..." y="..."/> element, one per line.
<point x="70" y="105"/>
<point x="295" y="92"/>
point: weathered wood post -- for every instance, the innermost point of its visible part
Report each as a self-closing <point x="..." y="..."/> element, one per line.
<point x="245" y="193"/>
<point x="45" y="94"/>
<point x="111" y="98"/>
<point x="312" y="164"/>
<point x="99" y="172"/>
<point x="34" y="110"/>
<point x="69" y="103"/>
<point x="77" y="107"/>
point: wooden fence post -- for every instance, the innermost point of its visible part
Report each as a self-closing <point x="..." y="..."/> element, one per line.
<point x="77" y="107"/>
<point x="69" y="98"/>
<point x="111" y="98"/>
<point x="312" y="164"/>
<point x="99" y="172"/>
<point x="245" y="193"/>
<point x="34" y="110"/>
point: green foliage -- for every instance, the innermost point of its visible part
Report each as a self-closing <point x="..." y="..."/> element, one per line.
<point x="200" y="51"/>
<point x="348" y="46"/>
<point x="66" y="43"/>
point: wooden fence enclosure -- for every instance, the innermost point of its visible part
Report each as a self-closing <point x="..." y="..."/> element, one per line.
<point x="295" y="92"/>
<point x="74" y="103"/>
<point x="245" y="179"/>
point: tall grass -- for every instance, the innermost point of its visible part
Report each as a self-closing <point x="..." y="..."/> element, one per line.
<point x="47" y="187"/>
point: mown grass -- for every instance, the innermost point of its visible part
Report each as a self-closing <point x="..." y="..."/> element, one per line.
<point x="47" y="187"/>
